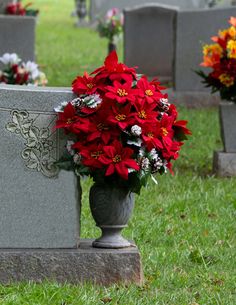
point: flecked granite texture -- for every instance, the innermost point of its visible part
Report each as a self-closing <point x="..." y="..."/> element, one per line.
<point x="17" y="35"/>
<point x="40" y="206"/>
<point x="85" y="264"/>
<point x="224" y="164"/>
<point x="228" y="129"/>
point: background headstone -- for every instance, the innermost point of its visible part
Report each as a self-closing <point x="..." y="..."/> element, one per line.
<point x="149" y="37"/>
<point x="40" y="207"/>
<point x="98" y="8"/>
<point x="195" y="28"/>
<point x="17" y="35"/>
<point x="3" y="4"/>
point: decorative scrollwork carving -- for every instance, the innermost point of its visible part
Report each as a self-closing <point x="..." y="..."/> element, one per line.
<point x="40" y="150"/>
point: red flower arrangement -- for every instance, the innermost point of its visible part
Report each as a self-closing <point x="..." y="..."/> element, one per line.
<point x="125" y="127"/>
<point x="221" y="58"/>
<point x="16" y="8"/>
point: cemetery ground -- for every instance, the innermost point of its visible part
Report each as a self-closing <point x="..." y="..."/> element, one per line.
<point x="184" y="226"/>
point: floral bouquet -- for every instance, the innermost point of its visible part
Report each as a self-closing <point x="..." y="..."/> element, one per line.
<point x="16" y="72"/>
<point x="16" y="8"/>
<point x="125" y="128"/>
<point x="111" y="27"/>
<point x="221" y="58"/>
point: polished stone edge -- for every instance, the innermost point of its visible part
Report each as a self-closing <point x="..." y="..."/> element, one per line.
<point x="85" y="264"/>
<point x="224" y="164"/>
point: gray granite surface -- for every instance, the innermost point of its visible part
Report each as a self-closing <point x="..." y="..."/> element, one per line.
<point x="98" y="8"/>
<point x="17" y="35"/>
<point x="224" y="164"/>
<point x="193" y="29"/>
<point x="145" y="44"/>
<point x="40" y="206"/>
<point x="85" y="264"/>
<point x="228" y="126"/>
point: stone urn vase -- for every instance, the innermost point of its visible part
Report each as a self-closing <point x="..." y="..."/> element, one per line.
<point x="227" y="113"/>
<point x="111" y="208"/>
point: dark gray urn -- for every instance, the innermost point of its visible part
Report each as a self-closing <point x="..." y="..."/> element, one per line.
<point x="228" y="126"/>
<point x="111" y="209"/>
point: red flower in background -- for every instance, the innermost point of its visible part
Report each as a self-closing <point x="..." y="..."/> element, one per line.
<point x="15" y="9"/>
<point x="220" y="56"/>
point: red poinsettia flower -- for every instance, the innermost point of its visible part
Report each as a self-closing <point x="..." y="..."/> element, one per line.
<point x="121" y="92"/>
<point x="114" y="70"/>
<point x="97" y="127"/>
<point x="148" y="90"/>
<point x="150" y="135"/>
<point x="166" y="132"/>
<point x="121" y="116"/>
<point x="180" y="129"/>
<point x="91" y="154"/>
<point x="145" y="112"/>
<point x="172" y="152"/>
<point x="158" y="86"/>
<point x="84" y="84"/>
<point x="67" y="118"/>
<point x="119" y="160"/>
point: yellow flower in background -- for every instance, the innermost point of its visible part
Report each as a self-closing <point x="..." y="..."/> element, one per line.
<point x="212" y="49"/>
<point x="232" y="32"/>
<point x="212" y="54"/>
<point x="226" y="80"/>
<point x="231" y="47"/>
<point x="222" y="33"/>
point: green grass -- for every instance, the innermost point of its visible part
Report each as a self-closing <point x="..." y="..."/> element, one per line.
<point x="184" y="226"/>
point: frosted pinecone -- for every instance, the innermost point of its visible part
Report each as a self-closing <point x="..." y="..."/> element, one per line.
<point x="164" y="104"/>
<point x="144" y="164"/>
<point x="77" y="158"/>
<point x="92" y="101"/>
<point x="136" y="130"/>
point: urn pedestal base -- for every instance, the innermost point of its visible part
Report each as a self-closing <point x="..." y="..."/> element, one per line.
<point x="224" y="164"/>
<point x="85" y="264"/>
<point x="111" y="238"/>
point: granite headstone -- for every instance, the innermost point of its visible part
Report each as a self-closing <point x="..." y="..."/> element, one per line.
<point x="193" y="29"/>
<point x="98" y="8"/>
<point x="40" y="205"/>
<point x="3" y="4"/>
<point x="17" y="35"/>
<point x="145" y="44"/>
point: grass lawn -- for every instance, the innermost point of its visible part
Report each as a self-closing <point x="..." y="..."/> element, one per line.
<point x="184" y="226"/>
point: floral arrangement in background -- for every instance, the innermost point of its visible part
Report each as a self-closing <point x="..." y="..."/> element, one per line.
<point x="221" y="58"/>
<point x="111" y="26"/>
<point x="16" y="8"/>
<point x="125" y="128"/>
<point x="17" y="72"/>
